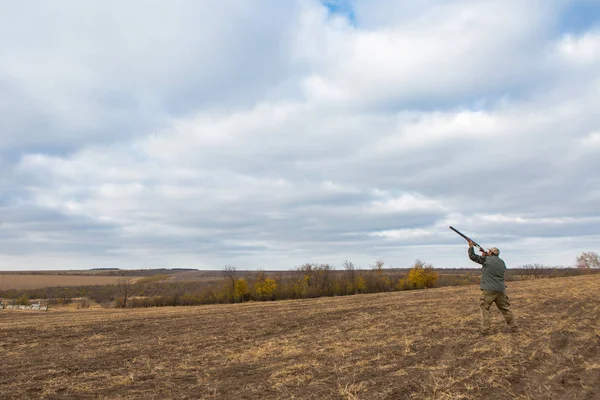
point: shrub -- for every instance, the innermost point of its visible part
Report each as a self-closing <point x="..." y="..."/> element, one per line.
<point x="83" y="303"/>
<point x="23" y="300"/>
<point x="350" y="288"/>
<point x="382" y="282"/>
<point x="431" y="277"/>
<point x="265" y="288"/>
<point x="361" y="284"/>
<point x="403" y="284"/>
<point x="241" y="292"/>
<point x="422" y="275"/>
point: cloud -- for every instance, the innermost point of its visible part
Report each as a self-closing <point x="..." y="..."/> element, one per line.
<point x="101" y="73"/>
<point x="591" y="141"/>
<point x="582" y="50"/>
<point x="445" y="53"/>
<point x="272" y="134"/>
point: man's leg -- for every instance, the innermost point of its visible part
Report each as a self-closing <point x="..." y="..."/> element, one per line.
<point x="504" y="307"/>
<point x="486" y="300"/>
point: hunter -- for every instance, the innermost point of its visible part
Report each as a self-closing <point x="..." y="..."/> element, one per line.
<point x="492" y="287"/>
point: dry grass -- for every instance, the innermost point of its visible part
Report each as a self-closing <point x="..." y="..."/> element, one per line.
<point x="36" y="281"/>
<point x="423" y="345"/>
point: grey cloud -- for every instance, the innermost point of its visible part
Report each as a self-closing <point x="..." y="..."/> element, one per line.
<point x="103" y="73"/>
<point x="188" y="137"/>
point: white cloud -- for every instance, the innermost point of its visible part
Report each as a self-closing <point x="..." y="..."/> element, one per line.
<point x="407" y="203"/>
<point x="592" y="140"/>
<point x="447" y="52"/>
<point x="271" y="134"/>
<point x="400" y="234"/>
<point x="580" y="50"/>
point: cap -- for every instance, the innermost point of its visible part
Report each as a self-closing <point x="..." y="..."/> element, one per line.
<point x="494" y="251"/>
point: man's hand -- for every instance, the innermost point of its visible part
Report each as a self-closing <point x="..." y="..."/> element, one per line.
<point x="470" y="243"/>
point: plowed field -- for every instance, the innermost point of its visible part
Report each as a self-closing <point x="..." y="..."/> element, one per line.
<point x="36" y="281"/>
<point x="419" y="344"/>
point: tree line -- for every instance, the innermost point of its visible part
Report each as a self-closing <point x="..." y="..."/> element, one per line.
<point x="306" y="281"/>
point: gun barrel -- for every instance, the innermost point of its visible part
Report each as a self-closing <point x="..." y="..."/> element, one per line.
<point x="465" y="237"/>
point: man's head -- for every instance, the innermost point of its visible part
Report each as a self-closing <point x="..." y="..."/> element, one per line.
<point x="494" y="251"/>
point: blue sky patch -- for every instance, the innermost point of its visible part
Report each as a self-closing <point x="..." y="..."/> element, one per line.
<point x="580" y="16"/>
<point x="341" y="7"/>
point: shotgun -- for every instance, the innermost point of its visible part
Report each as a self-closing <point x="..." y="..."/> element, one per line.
<point x="468" y="239"/>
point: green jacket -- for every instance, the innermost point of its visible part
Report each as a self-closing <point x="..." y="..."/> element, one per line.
<point x="492" y="272"/>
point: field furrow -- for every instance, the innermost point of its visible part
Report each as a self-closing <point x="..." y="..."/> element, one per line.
<point x="401" y="345"/>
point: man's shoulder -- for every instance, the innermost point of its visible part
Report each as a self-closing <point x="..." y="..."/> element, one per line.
<point x="498" y="260"/>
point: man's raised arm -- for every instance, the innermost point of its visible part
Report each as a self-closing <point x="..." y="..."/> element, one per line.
<point x="474" y="257"/>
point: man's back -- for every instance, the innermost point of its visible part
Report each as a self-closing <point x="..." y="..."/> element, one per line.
<point x="492" y="272"/>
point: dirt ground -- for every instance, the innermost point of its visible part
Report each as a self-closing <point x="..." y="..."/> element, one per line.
<point x="403" y="345"/>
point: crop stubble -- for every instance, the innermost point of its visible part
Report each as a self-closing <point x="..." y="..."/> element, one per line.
<point x="418" y="344"/>
<point x="37" y="281"/>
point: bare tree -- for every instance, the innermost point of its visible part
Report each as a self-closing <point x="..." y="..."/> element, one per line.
<point x="588" y="260"/>
<point x="378" y="266"/>
<point x="261" y="275"/>
<point x="382" y="281"/>
<point x="125" y="290"/>
<point x="309" y="279"/>
<point x="294" y="282"/>
<point x="326" y="272"/>
<point x="230" y="274"/>
<point x="350" y="274"/>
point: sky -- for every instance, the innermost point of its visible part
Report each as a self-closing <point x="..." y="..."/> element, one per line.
<point x="269" y="134"/>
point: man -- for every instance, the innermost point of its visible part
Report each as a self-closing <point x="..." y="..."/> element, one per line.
<point x="492" y="287"/>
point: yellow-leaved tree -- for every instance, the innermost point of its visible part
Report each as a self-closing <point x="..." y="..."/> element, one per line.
<point x="422" y="275"/>
<point x="241" y="292"/>
<point x="361" y="284"/>
<point x="265" y="288"/>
